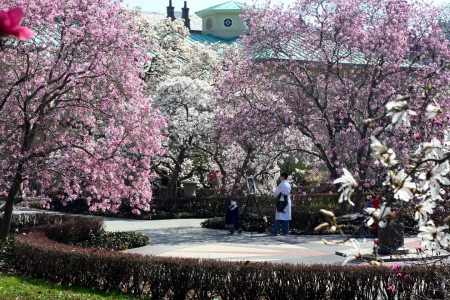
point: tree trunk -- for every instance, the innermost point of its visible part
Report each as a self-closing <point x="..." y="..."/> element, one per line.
<point x="7" y="214"/>
<point x="359" y="193"/>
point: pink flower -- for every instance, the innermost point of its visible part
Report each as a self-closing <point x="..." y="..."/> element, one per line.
<point x="396" y="267"/>
<point x="400" y="275"/>
<point x="9" y="25"/>
<point x="437" y="122"/>
<point x="375" y="241"/>
<point x="390" y="288"/>
<point x="309" y="199"/>
<point x="417" y="136"/>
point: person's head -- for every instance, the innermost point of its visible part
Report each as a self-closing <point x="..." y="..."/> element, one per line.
<point x="283" y="176"/>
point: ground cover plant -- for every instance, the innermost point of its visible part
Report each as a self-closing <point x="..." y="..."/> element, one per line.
<point x="22" y="287"/>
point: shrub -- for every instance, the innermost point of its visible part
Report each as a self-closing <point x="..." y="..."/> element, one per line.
<point x="176" y="278"/>
<point x="121" y="240"/>
<point x="304" y="219"/>
<point x="20" y="221"/>
<point x="75" y="231"/>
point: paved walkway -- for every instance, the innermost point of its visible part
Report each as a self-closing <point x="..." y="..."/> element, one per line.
<point x="186" y="238"/>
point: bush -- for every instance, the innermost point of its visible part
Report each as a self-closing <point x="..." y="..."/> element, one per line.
<point x="178" y="278"/>
<point x="75" y="231"/>
<point x="203" y="206"/>
<point x="304" y="219"/>
<point x="20" y="221"/>
<point x="121" y="240"/>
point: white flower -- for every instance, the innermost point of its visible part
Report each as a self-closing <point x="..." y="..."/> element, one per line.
<point x="402" y="185"/>
<point x="423" y="209"/>
<point x="430" y="235"/>
<point x="353" y="253"/>
<point x="382" y="154"/>
<point x="433" y="178"/>
<point x="348" y="186"/>
<point x="399" y="111"/>
<point x="378" y="215"/>
<point x="447" y="138"/>
<point x="433" y="110"/>
<point x="431" y="150"/>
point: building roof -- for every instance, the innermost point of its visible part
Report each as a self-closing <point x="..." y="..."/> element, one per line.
<point x="230" y="5"/>
<point x="201" y="38"/>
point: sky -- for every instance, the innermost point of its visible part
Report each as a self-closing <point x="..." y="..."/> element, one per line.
<point x="196" y="5"/>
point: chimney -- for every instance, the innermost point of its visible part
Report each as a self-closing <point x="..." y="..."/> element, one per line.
<point x="171" y="11"/>
<point x="185" y="16"/>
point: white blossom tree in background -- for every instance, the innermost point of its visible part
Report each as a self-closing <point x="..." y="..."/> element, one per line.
<point x="187" y="102"/>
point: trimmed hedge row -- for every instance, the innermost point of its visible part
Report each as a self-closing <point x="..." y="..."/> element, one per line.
<point x="177" y="278"/>
<point x="199" y="207"/>
<point x="304" y="219"/>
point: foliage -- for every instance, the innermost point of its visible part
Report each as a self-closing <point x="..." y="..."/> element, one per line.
<point x="76" y="231"/>
<point x="176" y="278"/>
<point x="88" y="232"/>
<point x="304" y="219"/>
<point x="22" y="287"/>
<point x="119" y="241"/>
<point x="7" y="258"/>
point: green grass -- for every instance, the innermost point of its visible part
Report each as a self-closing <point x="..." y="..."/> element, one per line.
<point x="21" y="287"/>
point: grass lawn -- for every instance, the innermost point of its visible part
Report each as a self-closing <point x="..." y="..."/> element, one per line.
<point x="20" y="287"/>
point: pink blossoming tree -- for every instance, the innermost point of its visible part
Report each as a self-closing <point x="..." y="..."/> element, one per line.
<point x="75" y="122"/>
<point x="315" y="79"/>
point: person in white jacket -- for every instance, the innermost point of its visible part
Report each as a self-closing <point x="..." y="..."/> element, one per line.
<point x="284" y="188"/>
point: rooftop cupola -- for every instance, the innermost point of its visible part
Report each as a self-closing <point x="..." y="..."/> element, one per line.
<point x="223" y="20"/>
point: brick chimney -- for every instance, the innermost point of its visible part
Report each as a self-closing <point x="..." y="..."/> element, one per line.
<point x="171" y="11"/>
<point x="185" y="15"/>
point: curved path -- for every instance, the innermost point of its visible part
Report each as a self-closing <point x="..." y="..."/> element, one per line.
<point x="186" y="238"/>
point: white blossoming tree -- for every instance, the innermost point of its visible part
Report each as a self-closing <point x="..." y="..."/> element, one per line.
<point x="187" y="103"/>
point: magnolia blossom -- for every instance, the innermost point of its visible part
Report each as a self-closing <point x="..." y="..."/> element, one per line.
<point x="446" y="138"/>
<point x="434" y="178"/>
<point x="378" y="215"/>
<point x="354" y="253"/>
<point x="9" y="25"/>
<point x="399" y="110"/>
<point x="348" y="186"/>
<point x="402" y="185"/>
<point x="382" y="154"/>
<point x="432" y="235"/>
<point x="431" y="150"/>
<point x="433" y="110"/>
<point x="423" y="209"/>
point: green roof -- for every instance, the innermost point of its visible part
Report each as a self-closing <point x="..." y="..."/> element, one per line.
<point x="230" y="5"/>
<point x="202" y="39"/>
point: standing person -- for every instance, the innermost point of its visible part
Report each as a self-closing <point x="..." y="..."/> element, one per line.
<point x="285" y="189"/>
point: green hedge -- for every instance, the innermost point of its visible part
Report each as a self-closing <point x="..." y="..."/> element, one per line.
<point x="202" y="206"/>
<point x="304" y="219"/>
<point x="177" y="278"/>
